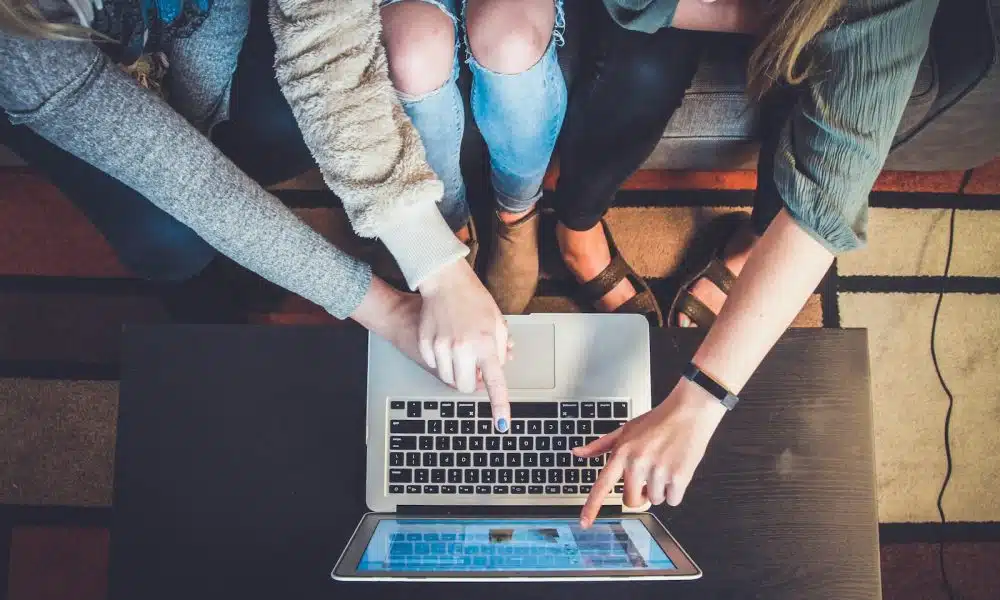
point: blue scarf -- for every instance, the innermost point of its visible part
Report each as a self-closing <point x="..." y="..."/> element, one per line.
<point x="146" y="26"/>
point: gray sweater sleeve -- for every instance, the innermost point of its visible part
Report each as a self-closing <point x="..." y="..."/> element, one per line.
<point x="71" y="95"/>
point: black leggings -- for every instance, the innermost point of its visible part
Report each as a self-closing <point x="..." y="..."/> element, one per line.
<point x="627" y="86"/>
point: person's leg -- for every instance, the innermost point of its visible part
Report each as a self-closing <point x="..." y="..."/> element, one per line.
<point x="420" y="43"/>
<point x="631" y="85"/>
<point x="518" y="101"/>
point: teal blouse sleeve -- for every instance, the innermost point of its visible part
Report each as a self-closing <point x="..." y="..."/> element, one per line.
<point x="836" y="140"/>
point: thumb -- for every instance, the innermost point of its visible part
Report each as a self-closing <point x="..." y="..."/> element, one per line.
<point x="601" y="445"/>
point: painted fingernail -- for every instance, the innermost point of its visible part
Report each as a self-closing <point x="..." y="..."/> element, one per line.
<point x="502" y="425"/>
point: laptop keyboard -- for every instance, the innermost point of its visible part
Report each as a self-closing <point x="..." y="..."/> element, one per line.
<point x="451" y="447"/>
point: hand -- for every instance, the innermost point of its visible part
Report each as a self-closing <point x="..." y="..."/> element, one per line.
<point x="657" y="452"/>
<point x="463" y="335"/>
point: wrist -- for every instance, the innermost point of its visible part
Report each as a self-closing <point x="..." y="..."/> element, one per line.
<point x="699" y="400"/>
<point x="444" y="277"/>
<point x="379" y="307"/>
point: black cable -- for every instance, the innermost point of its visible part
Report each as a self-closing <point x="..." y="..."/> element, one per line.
<point x="951" y="399"/>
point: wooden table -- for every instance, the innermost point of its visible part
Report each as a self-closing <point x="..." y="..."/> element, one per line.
<point x="240" y="470"/>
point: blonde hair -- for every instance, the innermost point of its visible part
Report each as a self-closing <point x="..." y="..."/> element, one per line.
<point x="21" y="18"/>
<point x="790" y="25"/>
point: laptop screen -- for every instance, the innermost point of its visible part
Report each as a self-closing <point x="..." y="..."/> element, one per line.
<point x="429" y="545"/>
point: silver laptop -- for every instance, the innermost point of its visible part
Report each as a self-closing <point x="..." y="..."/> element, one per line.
<point x="454" y="499"/>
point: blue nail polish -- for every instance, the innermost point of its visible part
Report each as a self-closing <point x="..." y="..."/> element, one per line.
<point x="502" y="425"/>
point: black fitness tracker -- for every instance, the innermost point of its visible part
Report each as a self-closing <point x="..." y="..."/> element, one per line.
<point x="695" y="375"/>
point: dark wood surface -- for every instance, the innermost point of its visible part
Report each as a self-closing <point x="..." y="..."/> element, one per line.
<point x="240" y="470"/>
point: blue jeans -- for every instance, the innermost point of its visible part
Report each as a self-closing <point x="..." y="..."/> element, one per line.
<point x="519" y="116"/>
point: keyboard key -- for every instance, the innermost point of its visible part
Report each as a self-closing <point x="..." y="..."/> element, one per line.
<point x="603" y="410"/>
<point x="535" y="489"/>
<point x="430" y="459"/>
<point x="471" y="476"/>
<point x="575" y="442"/>
<point x="400" y="476"/>
<point x="538" y="476"/>
<point x="447" y="410"/>
<point x="397" y="405"/>
<point x="509" y="443"/>
<point x="543" y="443"/>
<point x="547" y="459"/>
<point x="513" y="459"/>
<point x="590" y="439"/>
<point x="597" y="461"/>
<point x="430" y="489"/>
<point x="534" y="427"/>
<point x="589" y="475"/>
<point x="552" y="489"/>
<point x="506" y="475"/>
<point x="413" y="489"/>
<point x="559" y="443"/>
<point x="435" y="426"/>
<point x="447" y="489"/>
<point x="579" y="461"/>
<point x="524" y="443"/>
<point x="517" y="427"/>
<point x="484" y="427"/>
<point x="396" y="489"/>
<point x="451" y="427"/>
<point x="517" y="489"/>
<point x="466" y="489"/>
<point x="426" y="442"/>
<point x="571" y="476"/>
<point x="455" y="476"/>
<point x="602" y="427"/>
<point x="479" y="459"/>
<point x="493" y="442"/>
<point x="569" y="410"/>
<point x="403" y="442"/>
<point x="437" y="475"/>
<point x="442" y="443"/>
<point x="484" y="410"/>
<point x="466" y="410"/>
<point x="555" y="476"/>
<point x="422" y="475"/>
<point x="568" y="489"/>
<point x="396" y="459"/>
<point x="483" y="489"/>
<point x="529" y="459"/>
<point x="459" y="443"/>
<point x="475" y="443"/>
<point x="463" y="459"/>
<point x="430" y="405"/>
<point x="619" y="489"/>
<point x="413" y="409"/>
<point x="563" y="459"/>
<point x="522" y="475"/>
<point x="500" y="489"/>
<point x="588" y="410"/>
<point x="567" y="428"/>
<point x="533" y="410"/>
<point x="621" y="410"/>
<point x="550" y="427"/>
<point x="496" y="459"/>
<point x="488" y="475"/>
<point x="446" y="459"/>
<point x="585" y="489"/>
<point x="583" y="427"/>
<point x="413" y="459"/>
<point x="468" y="427"/>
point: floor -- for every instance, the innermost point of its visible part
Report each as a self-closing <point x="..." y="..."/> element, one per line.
<point x="63" y="297"/>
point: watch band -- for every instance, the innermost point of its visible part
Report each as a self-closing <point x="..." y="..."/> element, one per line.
<point x="705" y="381"/>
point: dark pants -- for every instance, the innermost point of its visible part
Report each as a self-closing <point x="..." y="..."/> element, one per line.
<point x="262" y="138"/>
<point x="627" y="86"/>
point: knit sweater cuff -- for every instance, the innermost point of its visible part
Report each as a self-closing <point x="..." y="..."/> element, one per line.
<point x="421" y="242"/>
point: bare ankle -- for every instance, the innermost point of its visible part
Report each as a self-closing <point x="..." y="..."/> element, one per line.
<point x="511" y="217"/>
<point x="463" y="234"/>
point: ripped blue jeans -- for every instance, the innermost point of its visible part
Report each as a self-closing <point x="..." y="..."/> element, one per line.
<point x="519" y="116"/>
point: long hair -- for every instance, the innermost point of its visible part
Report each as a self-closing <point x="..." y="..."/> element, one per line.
<point x="790" y="25"/>
<point x="21" y="18"/>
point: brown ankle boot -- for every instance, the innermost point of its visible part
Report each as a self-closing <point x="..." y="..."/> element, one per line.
<point x="512" y="271"/>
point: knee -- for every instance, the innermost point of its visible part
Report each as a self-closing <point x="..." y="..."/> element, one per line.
<point x="419" y="41"/>
<point x="509" y="36"/>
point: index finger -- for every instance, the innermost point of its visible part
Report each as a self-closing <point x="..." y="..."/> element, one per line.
<point x="496" y="387"/>
<point x="610" y="474"/>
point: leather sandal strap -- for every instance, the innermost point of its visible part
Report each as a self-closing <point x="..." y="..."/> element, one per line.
<point x="606" y="280"/>
<point x="718" y="273"/>
<point x="696" y="310"/>
<point x="642" y="303"/>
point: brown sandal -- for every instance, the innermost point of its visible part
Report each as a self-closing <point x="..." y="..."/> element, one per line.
<point x="715" y="270"/>
<point x="643" y="303"/>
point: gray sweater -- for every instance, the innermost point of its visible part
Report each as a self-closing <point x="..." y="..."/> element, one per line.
<point x="836" y="140"/>
<point x="333" y="72"/>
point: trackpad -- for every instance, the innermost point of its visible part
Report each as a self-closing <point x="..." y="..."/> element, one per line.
<point x="533" y="366"/>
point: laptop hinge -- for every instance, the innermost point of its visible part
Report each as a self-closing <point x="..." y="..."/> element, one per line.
<point x="527" y="510"/>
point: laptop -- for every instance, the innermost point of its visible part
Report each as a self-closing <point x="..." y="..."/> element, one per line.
<point x="452" y="499"/>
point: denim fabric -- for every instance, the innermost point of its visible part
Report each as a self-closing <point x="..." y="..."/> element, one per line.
<point x="519" y="116"/>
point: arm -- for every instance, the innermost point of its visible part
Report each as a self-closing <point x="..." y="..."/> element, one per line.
<point x="70" y="94"/>
<point x="332" y="69"/>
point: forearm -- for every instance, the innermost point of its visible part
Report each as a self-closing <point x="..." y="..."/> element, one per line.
<point x="783" y="269"/>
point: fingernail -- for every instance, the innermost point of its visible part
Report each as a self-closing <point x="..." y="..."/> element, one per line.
<point x="502" y="425"/>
